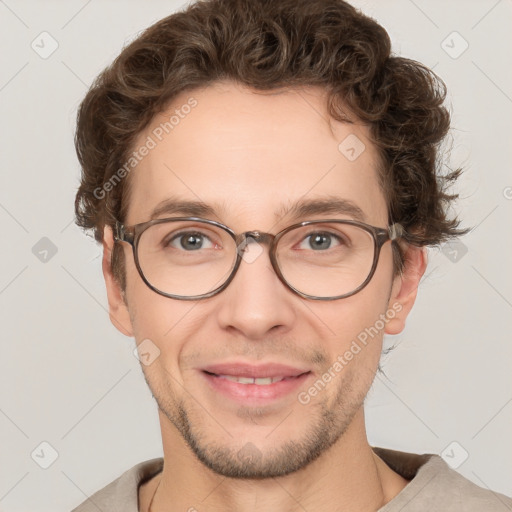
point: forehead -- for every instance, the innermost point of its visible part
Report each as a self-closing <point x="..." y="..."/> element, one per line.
<point x="251" y="155"/>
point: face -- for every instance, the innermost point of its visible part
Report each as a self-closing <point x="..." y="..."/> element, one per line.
<point x="251" y="157"/>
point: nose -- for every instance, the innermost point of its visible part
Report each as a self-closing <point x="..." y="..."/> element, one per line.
<point x="256" y="302"/>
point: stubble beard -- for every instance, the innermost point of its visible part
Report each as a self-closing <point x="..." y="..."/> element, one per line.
<point x="251" y="462"/>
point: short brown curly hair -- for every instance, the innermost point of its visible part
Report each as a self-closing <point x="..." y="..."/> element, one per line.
<point x="266" y="45"/>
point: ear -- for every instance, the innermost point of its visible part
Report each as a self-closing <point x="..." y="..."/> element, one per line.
<point x="405" y="288"/>
<point x="118" y="309"/>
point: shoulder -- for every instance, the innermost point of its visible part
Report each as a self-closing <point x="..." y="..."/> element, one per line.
<point x="434" y="485"/>
<point x="121" y="495"/>
<point x="444" y="486"/>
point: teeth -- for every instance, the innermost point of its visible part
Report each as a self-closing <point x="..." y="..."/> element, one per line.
<point x="245" y="380"/>
<point x="260" y="381"/>
<point x="263" y="381"/>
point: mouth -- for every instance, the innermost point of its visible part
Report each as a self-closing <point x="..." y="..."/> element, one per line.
<point x="259" y="381"/>
<point x="256" y="384"/>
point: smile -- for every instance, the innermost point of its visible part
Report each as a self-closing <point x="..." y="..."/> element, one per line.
<point x="259" y="381"/>
<point x="255" y="389"/>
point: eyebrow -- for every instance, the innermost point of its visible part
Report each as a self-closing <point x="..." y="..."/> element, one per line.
<point x="187" y="208"/>
<point x="300" y="209"/>
<point x="329" y="205"/>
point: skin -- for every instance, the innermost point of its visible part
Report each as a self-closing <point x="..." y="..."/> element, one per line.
<point x="251" y="154"/>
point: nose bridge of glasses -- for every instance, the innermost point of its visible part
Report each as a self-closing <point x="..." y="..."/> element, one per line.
<point x="244" y="239"/>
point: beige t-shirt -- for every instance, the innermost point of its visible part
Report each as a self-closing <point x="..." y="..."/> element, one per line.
<point x="433" y="487"/>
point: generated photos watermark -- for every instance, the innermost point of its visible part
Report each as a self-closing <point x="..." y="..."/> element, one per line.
<point x="151" y="142"/>
<point x="361" y="341"/>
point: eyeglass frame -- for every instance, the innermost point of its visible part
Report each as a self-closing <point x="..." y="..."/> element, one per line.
<point x="131" y="235"/>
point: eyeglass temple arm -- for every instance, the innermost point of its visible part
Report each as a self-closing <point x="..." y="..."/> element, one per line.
<point x="396" y="231"/>
<point x="121" y="234"/>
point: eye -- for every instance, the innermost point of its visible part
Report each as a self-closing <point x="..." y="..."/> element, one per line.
<point x="190" y="241"/>
<point x="320" y="241"/>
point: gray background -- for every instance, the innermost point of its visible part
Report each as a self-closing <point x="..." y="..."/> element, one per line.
<point x="68" y="378"/>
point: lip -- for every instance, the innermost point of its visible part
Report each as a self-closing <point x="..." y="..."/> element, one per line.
<point x="254" y="394"/>
<point x="255" y="371"/>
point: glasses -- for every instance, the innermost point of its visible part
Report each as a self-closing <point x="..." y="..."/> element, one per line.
<point x="190" y="258"/>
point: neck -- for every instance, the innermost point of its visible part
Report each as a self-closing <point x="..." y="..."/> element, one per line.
<point x="348" y="476"/>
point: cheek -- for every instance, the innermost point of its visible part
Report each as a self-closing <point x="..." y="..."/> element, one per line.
<point x="356" y="324"/>
<point x="160" y="319"/>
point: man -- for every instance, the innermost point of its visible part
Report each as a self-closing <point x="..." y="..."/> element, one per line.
<point x="263" y="178"/>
